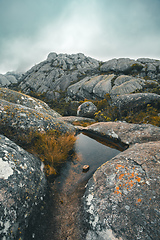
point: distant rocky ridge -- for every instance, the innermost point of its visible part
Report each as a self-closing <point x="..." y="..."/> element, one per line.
<point x="84" y="77"/>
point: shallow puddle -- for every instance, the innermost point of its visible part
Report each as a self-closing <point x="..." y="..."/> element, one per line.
<point x="62" y="216"/>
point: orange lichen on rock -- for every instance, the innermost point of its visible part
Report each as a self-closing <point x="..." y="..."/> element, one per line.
<point x="119" y="165"/>
<point x="139" y="200"/>
<point x="121" y="176"/>
<point x="117" y="192"/>
<point x="138" y="179"/>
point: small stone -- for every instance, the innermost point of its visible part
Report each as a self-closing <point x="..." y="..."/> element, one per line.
<point x="85" y="168"/>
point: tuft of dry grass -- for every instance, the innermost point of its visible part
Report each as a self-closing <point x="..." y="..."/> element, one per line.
<point x="51" y="147"/>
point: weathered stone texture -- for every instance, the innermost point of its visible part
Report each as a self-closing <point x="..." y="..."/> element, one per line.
<point x="122" y="198"/>
<point x="16" y="120"/>
<point x="22" y="188"/>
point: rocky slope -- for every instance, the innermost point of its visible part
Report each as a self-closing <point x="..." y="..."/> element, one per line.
<point x="85" y="77"/>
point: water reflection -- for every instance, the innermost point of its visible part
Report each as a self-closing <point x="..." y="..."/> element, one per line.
<point x="62" y="218"/>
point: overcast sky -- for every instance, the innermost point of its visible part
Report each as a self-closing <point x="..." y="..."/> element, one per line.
<point x="102" y="29"/>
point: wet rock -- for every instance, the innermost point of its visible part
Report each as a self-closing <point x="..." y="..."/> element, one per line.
<point x="22" y="188"/>
<point x="122" y="198"/>
<point x="127" y="133"/>
<point x="86" y="109"/>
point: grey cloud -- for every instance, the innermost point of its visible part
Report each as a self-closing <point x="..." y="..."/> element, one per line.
<point x="103" y="29"/>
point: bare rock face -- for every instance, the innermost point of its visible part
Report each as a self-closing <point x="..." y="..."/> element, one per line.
<point x="122" y="198"/>
<point x="86" y="109"/>
<point x="96" y="87"/>
<point x="57" y="72"/>
<point x="22" y="188"/>
<point x="126" y="84"/>
<point x="83" y="77"/>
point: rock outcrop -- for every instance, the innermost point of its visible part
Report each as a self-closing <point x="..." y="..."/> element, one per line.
<point x="127" y="133"/>
<point x="27" y="101"/>
<point x="22" y="188"/>
<point x="143" y="67"/>
<point x="24" y="114"/>
<point x="57" y="73"/>
<point x="84" y="77"/>
<point x="122" y="198"/>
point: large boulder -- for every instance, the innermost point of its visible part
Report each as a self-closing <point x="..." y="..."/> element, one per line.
<point x="17" y="120"/>
<point x="127" y="133"/>
<point x="22" y="188"/>
<point x="122" y="198"/>
<point x="27" y="101"/>
<point x="86" y="109"/>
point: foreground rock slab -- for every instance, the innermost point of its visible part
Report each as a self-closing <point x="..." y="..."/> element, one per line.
<point x="122" y="198"/>
<point x="22" y="188"/>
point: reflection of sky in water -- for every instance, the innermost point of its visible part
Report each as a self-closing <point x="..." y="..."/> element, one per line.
<point x="93" y="152"/>
<point x="88" y="151"/>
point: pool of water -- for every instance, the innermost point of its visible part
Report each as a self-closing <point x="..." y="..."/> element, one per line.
<point x="62" y="215"/>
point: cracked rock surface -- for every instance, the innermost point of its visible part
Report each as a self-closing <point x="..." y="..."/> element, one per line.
<point x="22" y="188"/>
<point x="121" y="201"/>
